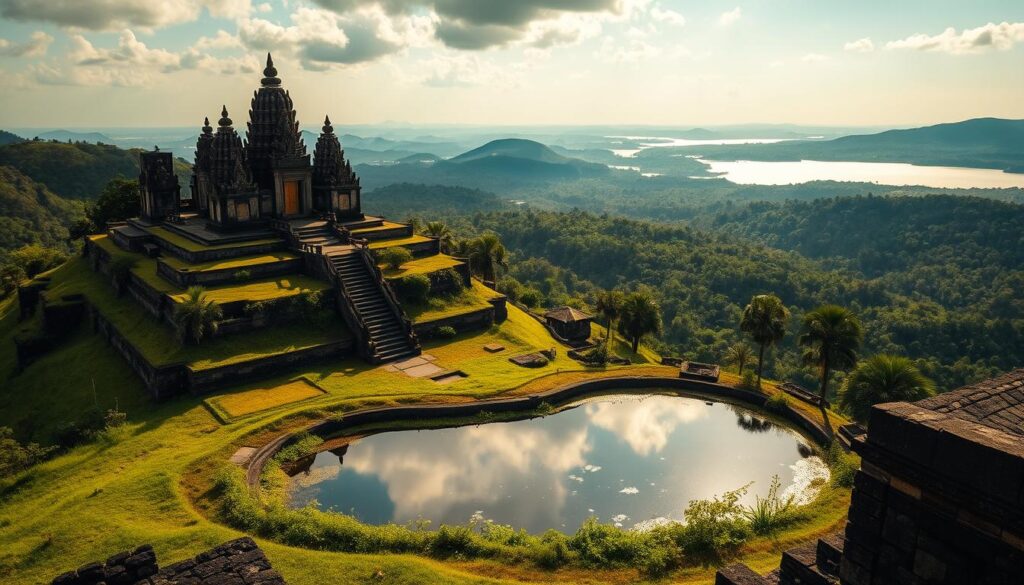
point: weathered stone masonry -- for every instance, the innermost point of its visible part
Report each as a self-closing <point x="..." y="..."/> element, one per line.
<point x="236" y="562"/>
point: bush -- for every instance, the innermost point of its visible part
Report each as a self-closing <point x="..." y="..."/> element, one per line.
<point x="843" y="465"/>
<point x="82" y="430"/>
<point x="394" y="257"/>
<point x="777" y="403"/>
<point x="242" y="275"/>
<point x="11" y="276"/>
<point x="770" y="514"/>
<point x="446" y="332"/>
<point x="35" y="259"/>
<point x="414" y="288"/>
<point x="597" y="355"/>
<point x="15" y="457"/>
<point x="531" y="297"/>
<point x="449" y="281"/>
<point x="714" y="530"/>
<point x="306" y="307"/>
<point x="749" y="380"/>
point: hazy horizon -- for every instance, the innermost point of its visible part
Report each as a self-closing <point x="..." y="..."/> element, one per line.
<point x="532" y="63"/>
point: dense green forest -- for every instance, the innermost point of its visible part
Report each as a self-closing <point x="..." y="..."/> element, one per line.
<point x="77" y="170"/>
<point x="703" y="279"/>
<point x="31" y="214"/>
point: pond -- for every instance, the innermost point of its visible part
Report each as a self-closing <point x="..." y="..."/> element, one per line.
<point x="626" y="459"/>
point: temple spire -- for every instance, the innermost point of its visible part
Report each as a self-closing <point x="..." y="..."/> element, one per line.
<point x="207" y="129"/>
<point x="224" y="121"/>
<point x="327" y="129"/>
<point x="270" y="78"/>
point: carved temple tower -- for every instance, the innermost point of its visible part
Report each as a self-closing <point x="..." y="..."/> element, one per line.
<point x="161" y="193"/>
<point x="335" y="186"/>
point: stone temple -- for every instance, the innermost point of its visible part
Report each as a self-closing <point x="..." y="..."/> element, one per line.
<point x="268" y="222"/>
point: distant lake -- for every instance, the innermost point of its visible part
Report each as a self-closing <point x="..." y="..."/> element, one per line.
<point x="747" y="172"/>
<point x="645" y="142"/>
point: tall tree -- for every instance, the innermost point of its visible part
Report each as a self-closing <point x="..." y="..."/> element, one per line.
<point x="882" y="378"/>
<point x="487" y="255"/>
<point x="764" y="320"/>
<point x="639" y="316"/>
<point x="831" y="336"/>
<point x="609" y="305"/>
<point x="118" y="201"/>
<point x="196" y="317"/>
<point x="739" y="354"/>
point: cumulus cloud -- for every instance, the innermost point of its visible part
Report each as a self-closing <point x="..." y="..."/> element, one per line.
<point x="130" y="63"/>
<point x="813" y="58"/>
<point x="35" y="46"/>
<point x="118" y="14"/>
<point x="481" y="24"/>
<point x="730" y="17"/>
<point x="998" y="37"/>
<point x="221" y="40"/>
<point x="865" y="45"/>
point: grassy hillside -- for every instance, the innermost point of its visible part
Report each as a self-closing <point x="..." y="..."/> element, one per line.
<point x="31" y="214"/>
<point x="77" y="170"/>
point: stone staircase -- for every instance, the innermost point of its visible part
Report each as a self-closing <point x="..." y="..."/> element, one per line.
<point x="388" y="336"/>
<point x="316" y="234"/>
<point x="811" y="563"/>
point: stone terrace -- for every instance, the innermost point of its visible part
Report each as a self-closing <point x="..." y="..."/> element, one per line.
<point x="997" y="403"/>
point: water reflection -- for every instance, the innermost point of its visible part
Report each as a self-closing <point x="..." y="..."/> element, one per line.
<point x="624" y="459"/>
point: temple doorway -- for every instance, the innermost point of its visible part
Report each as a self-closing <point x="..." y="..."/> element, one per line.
<point x="291" y="197"/>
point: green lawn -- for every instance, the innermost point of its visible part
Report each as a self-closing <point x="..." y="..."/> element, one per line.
<point x="263" y="289"/>
<point x="467" y="301"/>
<point x="238" y="263"/>
<point x="380" y="244"/>
<point x="424" y="265"/>
<point x="146" y="484"/>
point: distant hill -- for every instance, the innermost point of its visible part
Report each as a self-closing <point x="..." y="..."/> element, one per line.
<point x="524" y="159"/>
<point x="77" y="170"/>
<point x="32" y="214"/>
<point x="65" y="135"/>
<point x="420" y="158"/>
<point x="9" y="138"/>
<point x="982" y="142"/>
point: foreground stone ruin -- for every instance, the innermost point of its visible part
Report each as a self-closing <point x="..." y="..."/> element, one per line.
<point x="235" y="562"/>
<point x="939" y="498"/>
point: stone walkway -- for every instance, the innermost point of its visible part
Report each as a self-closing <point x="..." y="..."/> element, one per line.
<point x="421" y="366"/>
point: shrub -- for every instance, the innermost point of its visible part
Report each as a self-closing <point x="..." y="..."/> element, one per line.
<point x="843" y="465"/>
<point x="777" y="403"/>
<point x="394" y="257"/>
<point x="305" y="444"/>
<point x="531" y="297"/>
<point x="749" y="380"/>
<point x="11" y="276"/>
<point x="448" y="280"/>
<point x="15" y="457"/>
<point x="242" y="275"/>
<point x="446" y="332"/>
<point x="34" y="259"/>
<point x="714" y="530"/>
<point x="603" y="545"/>
<point x="414" y="288"/>
<point x="770" y="514"/>
<point x="306" y="307"/>
<point x="597" y="355"/>
<point x="83" y="429"/>
<point x="196" y="317"/>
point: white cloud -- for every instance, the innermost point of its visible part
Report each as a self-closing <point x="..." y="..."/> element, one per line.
<point x="667" y="16"/>
<point x="730" y="17"/>
<point x="998" y="37"/>
<point x="108" y="15"/>
<point x="865" y="45"/>
<point x="265" y="7"/>
<point x="813" y="58"/>
<point x="458" y="70"/>
<point x="221" y="40"/>
<point x="36" y="46"/>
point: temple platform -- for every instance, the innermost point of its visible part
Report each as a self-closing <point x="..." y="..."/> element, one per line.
<point x="195" y="228"/>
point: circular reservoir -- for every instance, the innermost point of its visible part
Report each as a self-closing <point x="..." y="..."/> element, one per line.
<point x="630" y="460"/>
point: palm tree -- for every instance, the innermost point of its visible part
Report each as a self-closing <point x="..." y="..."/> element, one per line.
<point x="740" y="354"/>
<point x="441" y="231"/>
<point x="764" y="319"/>
<point x="639" y="315"/>
<point x="487" y="256"/>
<point x="831" y="337"/>
<point x="609" y="305"/>
<point x="882" y="378"/>
<point x="196" y="317"/>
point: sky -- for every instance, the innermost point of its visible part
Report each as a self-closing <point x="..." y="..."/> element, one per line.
<point x="120" y="63"/>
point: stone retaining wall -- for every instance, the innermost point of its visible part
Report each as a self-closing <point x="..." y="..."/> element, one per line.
<point x="201" y="381"/>
<point x="187" y="278"/>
